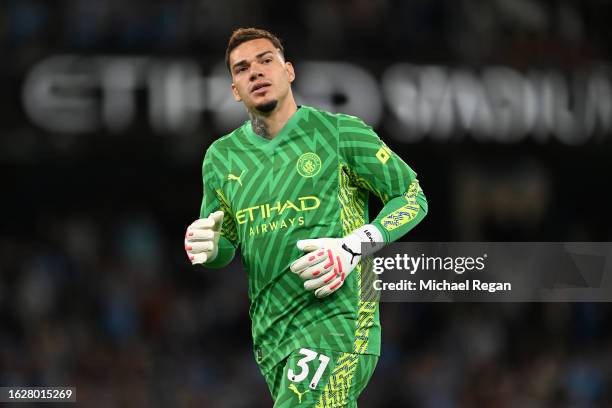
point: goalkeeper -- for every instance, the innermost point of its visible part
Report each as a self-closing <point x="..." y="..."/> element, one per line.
<point x="291" y="187"/>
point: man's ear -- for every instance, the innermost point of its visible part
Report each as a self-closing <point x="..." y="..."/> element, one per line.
<point x="290" y="71"/>
<point x="237" y="97"/>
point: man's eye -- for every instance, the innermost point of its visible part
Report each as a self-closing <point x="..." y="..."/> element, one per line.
<point x="241" y="69"/>
<point x="267" y="60"/>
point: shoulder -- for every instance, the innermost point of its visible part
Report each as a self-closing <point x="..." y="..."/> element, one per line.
<point x="217" y="153"/>
<point x="346" y="123"/>
<point x="341" y="121"/>
<point x="330" y="115"/>
<point x="219" y="148"/>
<point x="227" y="141"/>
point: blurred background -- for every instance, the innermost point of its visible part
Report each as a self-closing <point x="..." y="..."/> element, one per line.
<point x="503" y="107"/>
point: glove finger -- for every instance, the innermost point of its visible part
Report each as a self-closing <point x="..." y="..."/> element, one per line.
<point x="312" y="258"/>
<point x="200" y="235"/>
<point x="318" y="282"/>
<point x="198" y="258"/>
<point x="202" y="223"/>
<point x="217" y="218"/>
<point x="198" y="247"/>
<point x="316" y="271"/>
<point x="309" y="244"/>
<point x="330" y="288"/>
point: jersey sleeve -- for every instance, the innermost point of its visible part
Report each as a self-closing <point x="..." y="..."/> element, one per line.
<point x="371" y="165"/>
<point x="213" y="199"/>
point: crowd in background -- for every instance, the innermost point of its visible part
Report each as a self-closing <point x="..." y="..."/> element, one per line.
<point x="417" y="29"/>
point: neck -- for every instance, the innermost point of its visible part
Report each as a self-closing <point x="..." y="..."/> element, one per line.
<point x="269" y="124"/>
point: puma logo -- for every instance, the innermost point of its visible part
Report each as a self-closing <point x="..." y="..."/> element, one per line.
<point x="293" y="388"/>
<point x="231" y="176"/>
<point x="350" y="251"/>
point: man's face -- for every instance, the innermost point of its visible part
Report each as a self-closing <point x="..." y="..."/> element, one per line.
<point x="260" y="75"/>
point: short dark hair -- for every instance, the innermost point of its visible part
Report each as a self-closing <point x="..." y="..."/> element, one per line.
<point x="242" y="35"/>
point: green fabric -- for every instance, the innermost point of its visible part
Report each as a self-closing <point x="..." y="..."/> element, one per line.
<point x="342" y="380"/>
<point x="224" y="256"/>
<point x="311" y="180"/>
<point x="400" y="215"/>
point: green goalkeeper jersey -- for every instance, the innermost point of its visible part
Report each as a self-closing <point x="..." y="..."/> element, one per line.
<point x="311" y="180"/>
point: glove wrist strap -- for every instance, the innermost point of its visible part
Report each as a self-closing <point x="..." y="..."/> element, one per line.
<point x="370" y="236"/>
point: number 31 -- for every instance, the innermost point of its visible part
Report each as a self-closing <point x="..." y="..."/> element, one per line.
<point x="303" y="364"/>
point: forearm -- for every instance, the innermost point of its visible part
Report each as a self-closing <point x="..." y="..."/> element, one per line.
<point x="225" y="254"/>
<point x="401" y="214"/>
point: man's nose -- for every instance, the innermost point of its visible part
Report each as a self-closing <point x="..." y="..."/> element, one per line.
<point x="255" y="73"/>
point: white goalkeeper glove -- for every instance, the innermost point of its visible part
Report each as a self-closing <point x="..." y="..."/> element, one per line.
<point x="202" y="238"/>
<point x="330" y="260"/>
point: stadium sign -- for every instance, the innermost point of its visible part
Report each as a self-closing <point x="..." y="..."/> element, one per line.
<point x="77" y="95"/>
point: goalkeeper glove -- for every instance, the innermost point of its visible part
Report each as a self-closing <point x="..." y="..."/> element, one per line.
<point x="202" y="238"/>
<point x="330" y="260"/>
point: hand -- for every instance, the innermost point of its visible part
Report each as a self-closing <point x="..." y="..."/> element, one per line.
<point x="327" y="263"/>
<point x="202" y="238"/>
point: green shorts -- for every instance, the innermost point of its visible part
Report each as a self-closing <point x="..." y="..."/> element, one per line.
<point x="320" y="378"/>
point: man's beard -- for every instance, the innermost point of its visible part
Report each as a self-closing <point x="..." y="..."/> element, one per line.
<point x="267" y="107"/>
